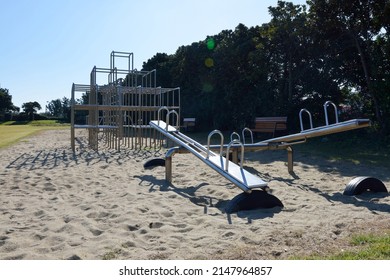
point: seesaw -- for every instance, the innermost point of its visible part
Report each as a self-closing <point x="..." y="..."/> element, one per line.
<point x="254" y="195"/>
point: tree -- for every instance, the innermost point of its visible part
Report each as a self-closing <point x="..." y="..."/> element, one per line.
<point x="54" y="108"/>
<point x="160" y="61"/>
<point x="59" y="108"/>
<point x="335" y="50"/>
<point x="66" y="108"/>
<point x="6" y="104"/>
<point x="349" y="30"/>
<point x="289" y="67"/>
<point x="287" y="39"/>
<point x="235" y="96"/>
<point x="30" y="108"/>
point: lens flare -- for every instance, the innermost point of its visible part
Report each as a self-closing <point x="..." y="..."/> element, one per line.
<point x="210" y="43"/>
<point x="209" y="62"/>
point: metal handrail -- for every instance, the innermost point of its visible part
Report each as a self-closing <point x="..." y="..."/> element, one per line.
<point x="235" y="134"/>
<point x="216" y="131"/>
<point x="310" y="119"/>
<point x="159" y="110"/>
<point x="326" y="111"/>
<point x="177" y="118"/>
<point x="243" y="134"/>
<point x="235" y="141"/>
<point x="158" y="113"/>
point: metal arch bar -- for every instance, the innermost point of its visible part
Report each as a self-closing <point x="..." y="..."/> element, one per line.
<point x="327" y="103"/>
<point x="235" y="141"/>
<point x="216" y="131"/>
<point x="243" y="134"/>
<point x="177" y="117"/>
<point x="235" y="134"/>
<point x="300" y="118"/>
<point x="158" y="112"/>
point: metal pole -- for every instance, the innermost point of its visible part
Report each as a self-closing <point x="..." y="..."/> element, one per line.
<point x="72" y="134"/>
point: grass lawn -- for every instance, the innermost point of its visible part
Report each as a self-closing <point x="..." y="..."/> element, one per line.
<point x="361" y="247"/>
<point x="12" y="132"/>
<point x="359" y="146"/>
<point x="354" y="146"/>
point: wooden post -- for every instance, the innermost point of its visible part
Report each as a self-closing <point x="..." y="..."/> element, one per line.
<point x="168" y="162"/>
<point x="290" y="159"/>
<point x="168" y="169"/>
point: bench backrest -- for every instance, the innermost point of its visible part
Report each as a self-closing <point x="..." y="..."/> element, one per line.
<point x="270" y="124"/>
<point x="187" y="122"/>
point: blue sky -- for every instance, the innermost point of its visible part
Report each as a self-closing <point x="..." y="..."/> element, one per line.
<point x="46" y="45"/>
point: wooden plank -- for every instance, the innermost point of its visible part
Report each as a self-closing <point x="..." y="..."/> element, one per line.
<point x="270" y="124"/>
<point x="86" y="107"/>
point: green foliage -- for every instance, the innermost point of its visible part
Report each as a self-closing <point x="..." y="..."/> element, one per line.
<point x="59" y="108"/>
<point x="354" y="35"/>
<point x="305" y="55"/>
<point x="6" y="105"/>
<point x="30" y="108"/>
<point x="332" y="50"/>
<point x="50" y="123"/>
<point x="5" y="100"/>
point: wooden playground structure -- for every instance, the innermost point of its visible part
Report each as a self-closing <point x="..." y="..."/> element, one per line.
<point x="118" y="111"/>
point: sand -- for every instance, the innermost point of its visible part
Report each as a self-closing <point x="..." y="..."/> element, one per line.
<point x="56" y="205"/>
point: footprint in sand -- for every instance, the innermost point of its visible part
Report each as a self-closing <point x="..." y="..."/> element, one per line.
<point x="49" y="187"/>
<point x="228" y="234"/>
<point x="3" y="239"/>
<point x="99" y="216"/>
<point x="133" y="228"/>
<point x="96" y="232"/>
<point x="143" y="210"/>
<point x="39" y="237"/>
<point x="9" y="247"/>
<point x="128" y="244"/>
<point x="67" y="219"/>
<point x="167" y="214"/>
<point x="39" y="213"/>
<point x="155" y="225"/>
<point x="183" y="228"/>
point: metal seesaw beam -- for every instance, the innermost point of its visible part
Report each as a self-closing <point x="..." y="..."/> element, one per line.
<point x="231" y="171"/>
<point x="320" y="131"/>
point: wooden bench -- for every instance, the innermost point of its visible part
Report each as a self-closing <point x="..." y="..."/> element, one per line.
<point x="189" y="122"/>
<point x="270" y="124"/>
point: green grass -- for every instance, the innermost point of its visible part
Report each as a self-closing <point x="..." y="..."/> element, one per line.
<point x="359" y="146"/>
<point x="12" y="132"/>
<point x="361" y="247"/>
<point x="36" y="123"/>
<point x="354" y="146"/>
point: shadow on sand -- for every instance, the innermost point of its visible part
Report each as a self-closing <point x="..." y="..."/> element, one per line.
<point x="205" y="201"/>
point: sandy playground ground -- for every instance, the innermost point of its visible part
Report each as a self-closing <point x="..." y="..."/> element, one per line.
<point x="56" y="205"/>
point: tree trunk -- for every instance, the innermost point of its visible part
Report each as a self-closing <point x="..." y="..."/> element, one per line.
<point x="368" y="82"/>
<point x="290" y="86"/>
